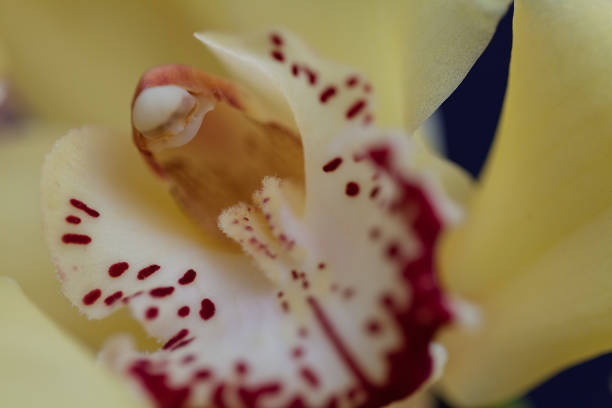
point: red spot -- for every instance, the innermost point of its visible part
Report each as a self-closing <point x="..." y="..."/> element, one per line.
<point x="162" y="291"/>
<point x="117" y="269"/>
<point x="327" y="93"/>
<point x="355" y="109"/>
<point x="295" y="69"/>
<point x="277" y="55"/>
<point x="241" y="368"/>
<point x="113" y="298"/>
<point x="312" y="76"/>
<point x="276" y="39"/>
<point x="373" y="327"/>
<point x="367" y="88"/>
<point x="202" y="374"/>
<point x="303" y="332"/>
<point x="305" y="284"/>
<point x="188" y="277"/>
<point x="285" y="306"/>
<point x="351" y="81"/>
<point x="368" y="119"/>
<point x="148" y="271"/>
<point x="91" y="297"/>
<point x="183" y="311"/>
<point x="352" y="189"/>
<point x="176" y="338"/>
<point x="188" y="359"/>
<point x="321" y="265"/>
<point x="151" y="313"/>
<point x="297" y="352"/>
<point x="83" y="207"/>
<point x="280" y="294"/>
<point x="348" y="293"/>
<point x="393" y="250"/>
<point x="207" y="310"/>
<point x="310" y="377"/>
<point x="294" y="274"/>
<point x="374" y="192"/>
<point x="182" y="344"/>
<point x="76" y="239"/>
<point x="73" y="219"/>
<point x="374" y="233"/>
<point x="332" y="164"/>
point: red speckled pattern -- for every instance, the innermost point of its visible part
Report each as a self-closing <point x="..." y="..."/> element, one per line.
<point x="337" y="305"/>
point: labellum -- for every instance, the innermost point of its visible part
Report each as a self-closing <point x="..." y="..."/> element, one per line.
<point x="303" y="275"/>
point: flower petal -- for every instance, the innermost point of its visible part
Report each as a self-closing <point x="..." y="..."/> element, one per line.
<point x="41" y="366"/>
<point x="309" y="326"/>
<point x="24" y="255"/>
<point x="535" y="252"/>
<point x="415" y="52"/>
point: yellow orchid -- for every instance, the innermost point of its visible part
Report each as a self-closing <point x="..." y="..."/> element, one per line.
<point x="516" y="255"/>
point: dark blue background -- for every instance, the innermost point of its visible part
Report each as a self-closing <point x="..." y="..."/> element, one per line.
<point x="470" y="118"/>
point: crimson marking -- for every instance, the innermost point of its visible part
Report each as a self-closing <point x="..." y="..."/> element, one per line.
<point x="183" y="344"/>
<point x="277" y="55"/>
<point x="351" y="81"/>
<point x="148" y="271"/>
<point x="79" y="239"/>
<point x="295" y="70"/>
<point x="73" y="219"/>
<point x="113" y="298"/>
<point x="151" y="313"/>
<point x="332" y="165"/>
<point x="355" y="109"/>
<point x="352" y="189"/>
<point x="327" y="93"/>
<point x="83" y="207"/>
<point x="162" y="291"/>
<point x="183" y="311"/>
<point x="276" y="39"/>
<point x="188" y="277"/>
<point x="208" y="309"/>
<point x="91" y="297"/>
<point x="176" y="338"/>
<point x="117" y="269"/>
<point x="310" y="377"/>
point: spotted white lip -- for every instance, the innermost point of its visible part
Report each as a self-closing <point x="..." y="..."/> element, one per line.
<point x="341" y="303"/>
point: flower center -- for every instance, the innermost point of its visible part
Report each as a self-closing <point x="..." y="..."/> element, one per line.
<point x="201" y="135"/>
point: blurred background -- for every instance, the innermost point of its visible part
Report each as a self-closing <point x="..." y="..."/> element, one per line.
<point x="470" y="118"/>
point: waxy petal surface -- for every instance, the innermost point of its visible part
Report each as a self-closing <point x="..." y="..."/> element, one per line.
<point x="535" y="251"/>
<point x="415" y="52"/>
<point x="42" y="366"/>
<point x="341" y="304"/>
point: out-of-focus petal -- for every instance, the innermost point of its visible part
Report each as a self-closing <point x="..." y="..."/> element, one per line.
<point x="415" y="52"/>
<point x="40" y="366"/>
<point x="535" y="253"/>
<point x="24" y="255"/>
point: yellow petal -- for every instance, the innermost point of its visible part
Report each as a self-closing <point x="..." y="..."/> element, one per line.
<point x="536" y="251"/>
<point x="24" y="255"/>
<point x="427" y="44"/>
<point x="42" y="367"/>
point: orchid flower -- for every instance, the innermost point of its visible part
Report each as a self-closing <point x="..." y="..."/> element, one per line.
<point x="113" y="231"/>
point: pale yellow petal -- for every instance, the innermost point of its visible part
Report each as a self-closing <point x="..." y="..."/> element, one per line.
<point x="23" y="252"/>
<point x="69" y="51"/>
<point x="40" y="366"/>
<point x="535" y="253"/>
<point x="441" y="41"/>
